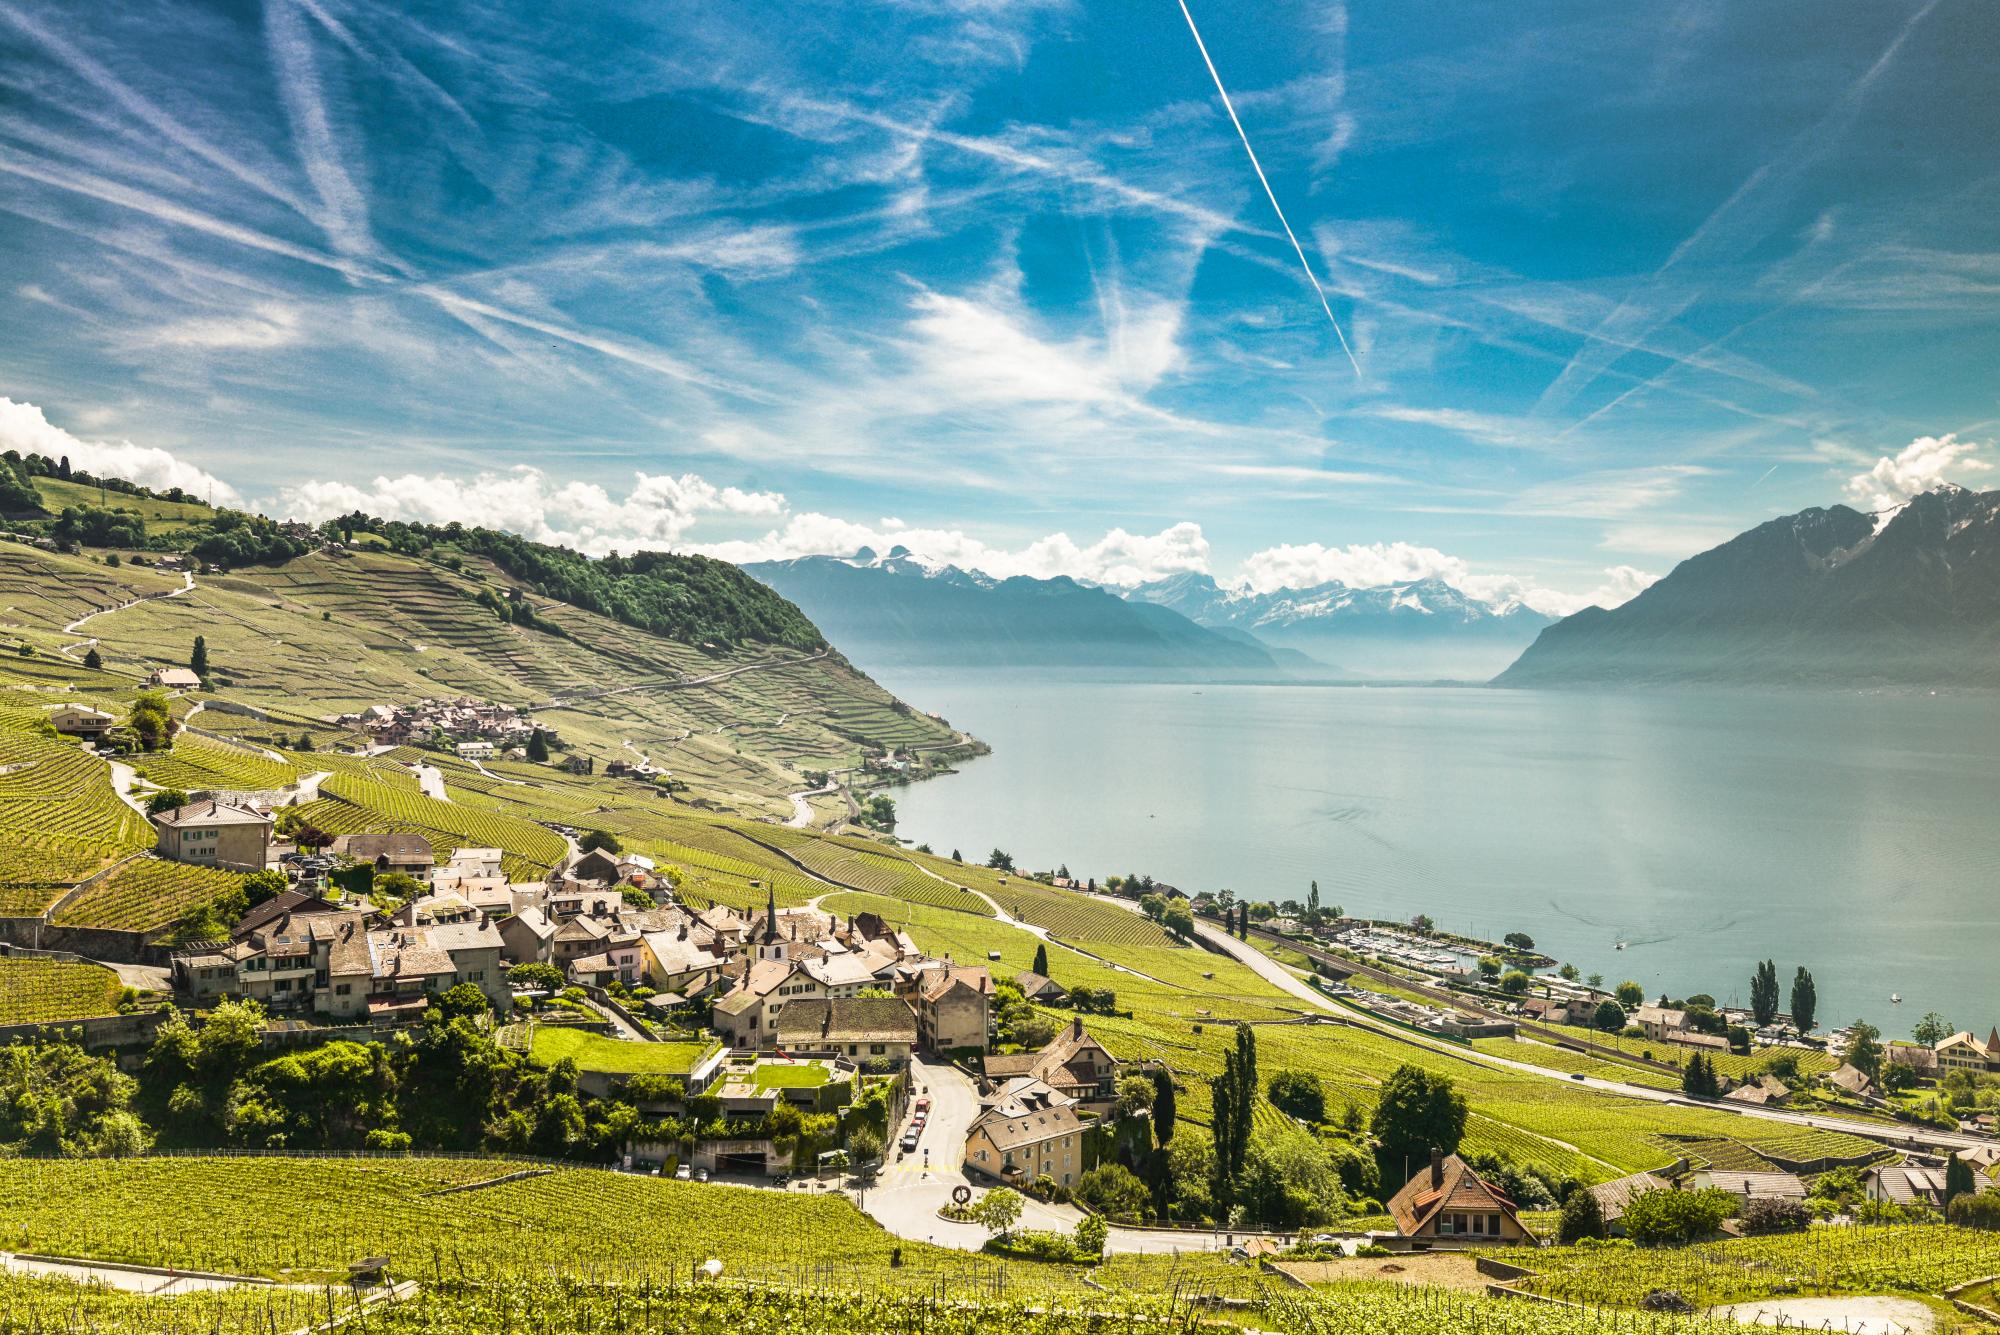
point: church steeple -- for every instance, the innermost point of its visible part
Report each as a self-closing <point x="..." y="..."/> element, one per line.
<point x="771" y="914"/>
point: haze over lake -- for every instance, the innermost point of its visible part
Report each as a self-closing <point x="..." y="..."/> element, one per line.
<point x="1858" y="834"/>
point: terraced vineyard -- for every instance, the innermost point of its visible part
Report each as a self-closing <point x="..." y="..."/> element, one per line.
<point x="351" y="804"/>
<point x="42" y="991"/>
<point x="199" y="763"/>
<point x="147" y="893"/>
<point x="1852" y="1259"/>
<point x="43" y="1304"/>
<point x="60" y="821"/>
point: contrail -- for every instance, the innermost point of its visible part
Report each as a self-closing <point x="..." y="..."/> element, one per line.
<point x="1760" y="481"/>
<point x="1305" y="264"/>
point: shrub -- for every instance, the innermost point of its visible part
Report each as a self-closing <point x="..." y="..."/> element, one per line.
<point x="1666" y="1215"/>
<point x="1300" y="1094"/>
<point x="1582" y="1217"/>
<point x="1775" y="1216"/>
<point x="1981" y="1211"/>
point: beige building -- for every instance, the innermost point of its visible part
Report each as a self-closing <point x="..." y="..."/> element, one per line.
<point x="1964" y="1052"/>
<point x="953" y="1005"/>
<point x="81" y="721"/>
<point x="861" y="1029"/>
<point x="1028" y="1131"/>
<point x="174" y="678"/>
<point x="210" y="833"/>
<point x="1073" y="1064"/>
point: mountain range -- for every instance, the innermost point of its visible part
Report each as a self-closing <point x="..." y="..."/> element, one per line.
<point x="899" y="610"/>
<point x="1418" y="629"/>
<point x="1904" y="597"/>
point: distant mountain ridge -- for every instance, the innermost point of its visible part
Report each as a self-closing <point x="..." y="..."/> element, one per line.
<point x="1905" y="597"/>
<point x="1420" y="628"/>
<point x="899" y="610"/>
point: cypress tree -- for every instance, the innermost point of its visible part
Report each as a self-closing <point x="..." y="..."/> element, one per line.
<point x="1805" y="1000"/>
<point x="1042" y="959"/>
<point x="198" y="660"/>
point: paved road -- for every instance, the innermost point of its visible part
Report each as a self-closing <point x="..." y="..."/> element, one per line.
<point x="802" y="812"/>
<point x="907" y="1195"/>
<point x="431" y="781"/>
<point x="114" y="1277"/>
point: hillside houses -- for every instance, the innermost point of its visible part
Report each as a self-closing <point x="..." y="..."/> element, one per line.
<point x="465" y="720"/>
<point x="213" y="833"/>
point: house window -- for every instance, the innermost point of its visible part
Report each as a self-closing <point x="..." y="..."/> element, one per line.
<point x="1493" y="1224"/>
<point x="1478" y="1223"/>
<point x="342" y="989"/>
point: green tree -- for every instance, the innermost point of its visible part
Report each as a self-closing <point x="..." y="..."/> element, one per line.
<point x="1163" y="1107"/>
<point x="1042" y="958"/>
<point x="1289" y="1181"/>
<point x="1668" y="1216"/>
<point x="1234" y="1095"/>
<point x="151" y="722"/>
<point x="1698" y="1078"/>
<point x="1805" y="1000"/>
<point x="1976" y="1211"/>
<point x="1864" y="1049"/>
<point x="1300" y="1094"/>
<point x="1958" y="1179"/>
<point x="535" y="976"/>
<point x="1515" y="983"/>
<point x="1932" y="1030"/>
<point x="304" y="743"/>
<point x="1417" y="1113"/>
<point x="198" y="660"/>
<point x="167" y="799"/>
<point x="1609" y="1016"/>
<point x="259" y="886"/>
<point x="92" y="659"/>
<point x="1582" y="1217"/>
<point x="998" y="1210"/>
<point x="1091" y="1234"/>
<point x="996" y="860"/>
<point x="1518" y="941"/>
<point x="1630" y="994"/>
<point x="57" y="1099"/>
<point x="1114" y="1190"/>
<point x="1764" y="993"/>
<point x="538" y="747"/>
<point x="594" y="840"/>
<point x="1135" y="1095"/>
<point x="1178" y="920"/>
<point x="1490" y="966"/>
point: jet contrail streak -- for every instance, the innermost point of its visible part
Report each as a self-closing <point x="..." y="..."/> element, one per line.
<point x="1269" y="194"/>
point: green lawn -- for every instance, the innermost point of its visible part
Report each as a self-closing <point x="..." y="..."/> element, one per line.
<point x="594" y="1052"/>
<point x="785" y="1075"/>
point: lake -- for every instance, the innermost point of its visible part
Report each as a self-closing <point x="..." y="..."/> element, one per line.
<point x="1857" y="834"/>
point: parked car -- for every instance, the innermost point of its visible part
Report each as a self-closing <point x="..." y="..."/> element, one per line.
<point x="909" y="1140"/>
<point x="701" y="1175"/>
<point x="683" y="1173"/>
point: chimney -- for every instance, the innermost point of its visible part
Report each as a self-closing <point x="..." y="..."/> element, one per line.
<point x="1437" y="1168"/>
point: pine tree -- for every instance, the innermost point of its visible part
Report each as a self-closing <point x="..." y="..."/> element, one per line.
<point x="1805" y="1000"/>
<point x="92" y="659"/>
<point x="198" y="660"/>
<point x="538" y="747"/>
<point x="1042" y="958"/>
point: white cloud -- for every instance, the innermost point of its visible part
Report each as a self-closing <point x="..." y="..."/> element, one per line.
<point x="1118" y="558"/>
<point x="268" y="325"/>
<point x="1302" y="565"/>
<point x="1621" y="585"/>
<point x="1916" y="468"/>
<point x="24" y="428"/>
<point x="656" y="512"/>
<point x="977" y="352"/>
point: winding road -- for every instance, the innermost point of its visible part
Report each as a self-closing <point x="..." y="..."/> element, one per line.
<point x="1899" y="1135"/>
<point x="73" y="627"/>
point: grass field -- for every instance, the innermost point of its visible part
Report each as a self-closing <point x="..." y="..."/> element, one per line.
<point x="39" y="991"/>
<point x="594" y="1052"/>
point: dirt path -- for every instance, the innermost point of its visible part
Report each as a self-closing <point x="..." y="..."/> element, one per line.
<point x="802" y="812"/>
<point x="77" y="625"/>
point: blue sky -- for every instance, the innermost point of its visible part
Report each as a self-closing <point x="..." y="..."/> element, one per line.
<point x="997" y="279"/>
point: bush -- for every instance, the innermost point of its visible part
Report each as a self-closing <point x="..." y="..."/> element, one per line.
<point x="1774" y="1216"/>
<point x="1981" y="1211"/>
<point x="1300" y="1094"/>
<point x="1666" y="1215"/>
<point x="1115" y="1190"/>
<point x="1582" y="1217"/>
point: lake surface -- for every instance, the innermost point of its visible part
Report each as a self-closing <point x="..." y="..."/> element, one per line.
<point x="1857" y="834"/>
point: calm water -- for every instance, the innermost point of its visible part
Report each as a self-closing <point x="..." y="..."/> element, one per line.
<point x="1856" y="834"/>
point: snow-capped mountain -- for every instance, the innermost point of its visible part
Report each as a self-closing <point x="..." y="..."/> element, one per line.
<point x="900" y="610"/>
<point x="1908" y="596"/>
<point x="1424" y="628"/>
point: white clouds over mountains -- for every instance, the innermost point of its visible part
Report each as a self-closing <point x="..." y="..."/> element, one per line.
<point x="1916" y="468"/>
